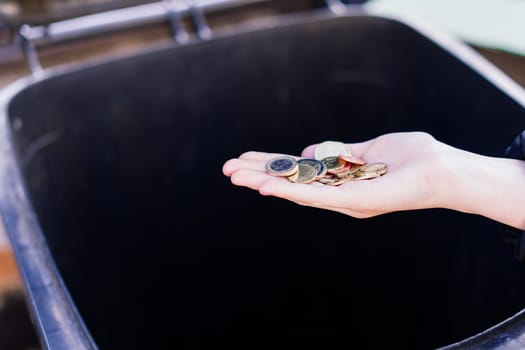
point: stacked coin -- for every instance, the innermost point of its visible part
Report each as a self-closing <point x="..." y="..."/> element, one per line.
<point x="333" y="164"/>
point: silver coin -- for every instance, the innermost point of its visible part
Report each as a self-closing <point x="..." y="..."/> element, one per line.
<point x="331" y="149"/>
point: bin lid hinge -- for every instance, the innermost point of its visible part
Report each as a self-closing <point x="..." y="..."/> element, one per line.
<point x="26" y="35"/>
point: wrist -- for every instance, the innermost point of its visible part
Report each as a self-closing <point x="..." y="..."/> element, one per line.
<point x="445" y="175"/>
<point x="488" y="186"/>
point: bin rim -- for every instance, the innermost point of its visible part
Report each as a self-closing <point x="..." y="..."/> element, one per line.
<point x="48" y="297"/>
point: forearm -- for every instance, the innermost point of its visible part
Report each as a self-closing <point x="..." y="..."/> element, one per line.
<point x="487" y="186"/>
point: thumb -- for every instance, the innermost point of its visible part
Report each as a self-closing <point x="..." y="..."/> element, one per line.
<point x="308" y="152"/>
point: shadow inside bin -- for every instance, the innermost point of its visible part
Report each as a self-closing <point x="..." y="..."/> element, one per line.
<point x="155" y="245"/>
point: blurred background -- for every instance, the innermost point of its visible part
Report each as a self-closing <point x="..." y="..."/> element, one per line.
<point x="493" y="28"/>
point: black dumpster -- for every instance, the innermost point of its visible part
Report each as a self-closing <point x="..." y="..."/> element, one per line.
<point x="129" y="236"/>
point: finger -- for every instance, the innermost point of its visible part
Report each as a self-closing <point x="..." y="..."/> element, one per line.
<point x="249" y="160"/>
<point x="235" y="164"/>
<point x="314" y="194"/>
<point x="253" y="179"/>
<point x="266" y="184"/>
<point x="359" y="148"/>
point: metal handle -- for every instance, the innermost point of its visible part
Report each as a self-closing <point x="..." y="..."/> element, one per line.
<point x="199" y="19"/>
<point x="26" y="34"/>
<point x="174" y="12"/>
<point x="171" y="10"/>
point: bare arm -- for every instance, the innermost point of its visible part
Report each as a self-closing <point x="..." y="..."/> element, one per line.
<point x="423" y="173"/>
<point x="488" y="186"/>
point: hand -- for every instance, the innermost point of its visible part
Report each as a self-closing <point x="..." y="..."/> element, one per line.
<point x="415" y="177"/>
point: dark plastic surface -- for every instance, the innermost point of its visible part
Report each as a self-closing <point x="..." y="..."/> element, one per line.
<point x="158" y="249"/>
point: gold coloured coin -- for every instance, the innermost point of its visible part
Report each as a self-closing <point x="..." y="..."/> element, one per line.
<point x="329" y="180"/>
<point x="333" y="163"/>
<point x="282" y="166"/>
<point x="344" y="168"/>
<point x="331" y="149"/>
<point x="382" y="172"/>
<point x="375" y="167"/>
<point x="304" y="175"/>
<point x="294" y="176"/>
<point x="317" y="164"/>
<point x="349" y="172"/>
<point x="335" y="182"/>
<point x="326" y="178"/>
<point x="364" y="176"/>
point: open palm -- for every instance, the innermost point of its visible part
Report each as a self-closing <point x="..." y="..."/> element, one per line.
<point x="412" y="181"/>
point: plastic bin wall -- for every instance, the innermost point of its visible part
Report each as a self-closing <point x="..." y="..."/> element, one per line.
<point x="129" y="236"/>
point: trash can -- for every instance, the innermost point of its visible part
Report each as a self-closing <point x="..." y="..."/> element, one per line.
<point x="129" y="236"/>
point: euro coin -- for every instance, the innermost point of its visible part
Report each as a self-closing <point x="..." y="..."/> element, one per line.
<point x="328" y="179"/>
<point x="352" y="169"/>
<point x="342" y="169"/>
<point x="335" y="182"/>
<point x="293" y="177"/>
<point x="304" y="175"/>
<point x="382" y="172"/>
<point x="333" y="164"/>
<point x="371" y="168"/>
<point x="282" y="166"/>
<point x="331" y="149"/>
<point x="317" y="164"/>
<point x="365" y="176"/>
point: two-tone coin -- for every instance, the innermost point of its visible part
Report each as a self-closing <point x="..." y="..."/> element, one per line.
<point x="317" y="164"/>
<point x="282" y="166"/>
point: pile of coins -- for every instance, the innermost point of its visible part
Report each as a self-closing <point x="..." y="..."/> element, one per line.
<point x="333" y="164"/>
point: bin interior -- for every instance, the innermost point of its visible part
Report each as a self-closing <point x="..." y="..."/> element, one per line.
<point x="122" y="162"/>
